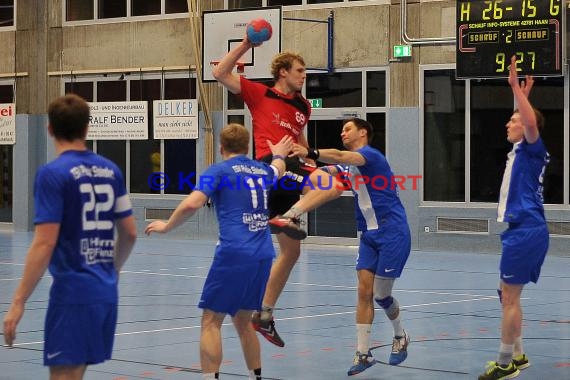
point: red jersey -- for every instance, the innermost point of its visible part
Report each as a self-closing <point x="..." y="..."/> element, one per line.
<point x="274" y="114"/>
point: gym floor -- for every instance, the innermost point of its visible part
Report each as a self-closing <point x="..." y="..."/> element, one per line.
<point x="449" y="301"/>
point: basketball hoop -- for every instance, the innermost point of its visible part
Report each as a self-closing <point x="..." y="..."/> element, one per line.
<point x="240" y="66"/>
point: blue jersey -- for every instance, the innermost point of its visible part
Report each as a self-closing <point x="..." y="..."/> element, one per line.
<point x="521" y="198"/>
<point x="84" y="193"/>
<point x="376" y="192"/>
<point x="239" y="188"/>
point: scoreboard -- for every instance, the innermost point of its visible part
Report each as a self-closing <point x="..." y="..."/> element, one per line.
<point x="489" y="33"/>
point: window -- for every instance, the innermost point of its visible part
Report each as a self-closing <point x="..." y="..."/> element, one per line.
<point x="339" y="89"/>
<point x="111" y="8"/>
<point x="236" y="4"/>
<point x="548" y="96"/>
<point x="180" y="155"/>
<point x="145" y="7"/>
<point x="6" y="13"/>
<point x="283" y="2"/>
<point x="444" y="137"/>
<point x="83" y="10"/>
<point x="175" y="158"/>
<point x="115" y="150"/>
<point x="376" y="89"/>
<point x="490" y="106"/>
<point x="144" y="154"/>
<point x="323" y="1"/>
<point x="176" y="6"/>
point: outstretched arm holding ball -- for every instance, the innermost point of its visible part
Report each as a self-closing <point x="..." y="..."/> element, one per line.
<point x="257" y="32"/>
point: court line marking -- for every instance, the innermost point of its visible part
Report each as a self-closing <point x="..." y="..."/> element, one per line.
<point x="278" y="319"/>
<point x="161" y="274"/>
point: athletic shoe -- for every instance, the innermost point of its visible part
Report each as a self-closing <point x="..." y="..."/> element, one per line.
<point x="495" y="372"/>
<point x="361" y="363"/>
<point x="521" y="362"/>
<point x="289" y="226"/>
<point x="267" y="329"/>
<point x="399" y="349"/>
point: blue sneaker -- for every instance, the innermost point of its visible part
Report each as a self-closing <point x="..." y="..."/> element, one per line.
<point x="399" y="349"/>
<point x="361" y="363"/>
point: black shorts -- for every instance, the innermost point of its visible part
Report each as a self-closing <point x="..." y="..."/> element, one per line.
<point x="286" y="192"/>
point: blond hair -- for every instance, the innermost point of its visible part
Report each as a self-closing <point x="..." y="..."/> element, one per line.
<point x="235" y="138"/>
<point x="285" y="61"/>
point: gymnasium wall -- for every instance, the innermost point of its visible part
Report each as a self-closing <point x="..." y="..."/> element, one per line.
<point x="363" y="37"/>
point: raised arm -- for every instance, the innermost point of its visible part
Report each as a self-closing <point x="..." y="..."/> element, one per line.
<point x="223" y="71"/>
<point x="526" y="112"/>
<point x="527" y="84"/>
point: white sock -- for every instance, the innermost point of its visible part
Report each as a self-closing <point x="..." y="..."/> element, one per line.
<point x="209" y="376"/>
<point x="505" y="354"/>
<point x="398" y="329"/>
<point x="294" y="212"/>
<point x="518" y="349"/>
<point x="266" y="312"/>
<point x="363" y="337"/>
<point x="253" y="375"/>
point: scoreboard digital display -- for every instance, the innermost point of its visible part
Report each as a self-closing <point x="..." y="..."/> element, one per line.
<point x="489" y="33"/>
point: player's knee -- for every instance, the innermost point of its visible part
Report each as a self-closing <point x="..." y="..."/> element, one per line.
<point x="365" y="293"/>
<point x="242" y="325"/>
<point x="390" y="306"/>
<point x="385" y="303"/>
<point x="320" y="180"/>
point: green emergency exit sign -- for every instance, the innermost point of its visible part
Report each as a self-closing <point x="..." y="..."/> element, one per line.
<point x="402" y="51"/>
<point x="316" y="103"/>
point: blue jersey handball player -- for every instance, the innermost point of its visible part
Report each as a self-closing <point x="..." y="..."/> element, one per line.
<point x="385" y="240"/>
<point x="525" y="241"/>
<point x="239" y="188"/>
<point x="80" y="199"/>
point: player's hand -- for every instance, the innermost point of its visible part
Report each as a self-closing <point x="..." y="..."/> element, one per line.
<point x="513" y="77"/>
<point x="251" y="45"/>
<point x="283" y="147"/>
<point x="11" y="320"/>
<point x="527" y="84"/>
<point x="157" y="226"/>
<point x="299" y="151"/>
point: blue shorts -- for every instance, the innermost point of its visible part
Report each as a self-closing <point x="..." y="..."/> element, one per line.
<point x="384" y="251"/>
<point x="524" y="250"/>
<point x="236" y="286"/>
<point x="79" y="334"/>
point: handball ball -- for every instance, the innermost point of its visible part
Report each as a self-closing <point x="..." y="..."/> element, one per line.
<point x="258" y="31"/>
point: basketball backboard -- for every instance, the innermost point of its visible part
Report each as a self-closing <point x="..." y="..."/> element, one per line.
<point x="222" y="30"/>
